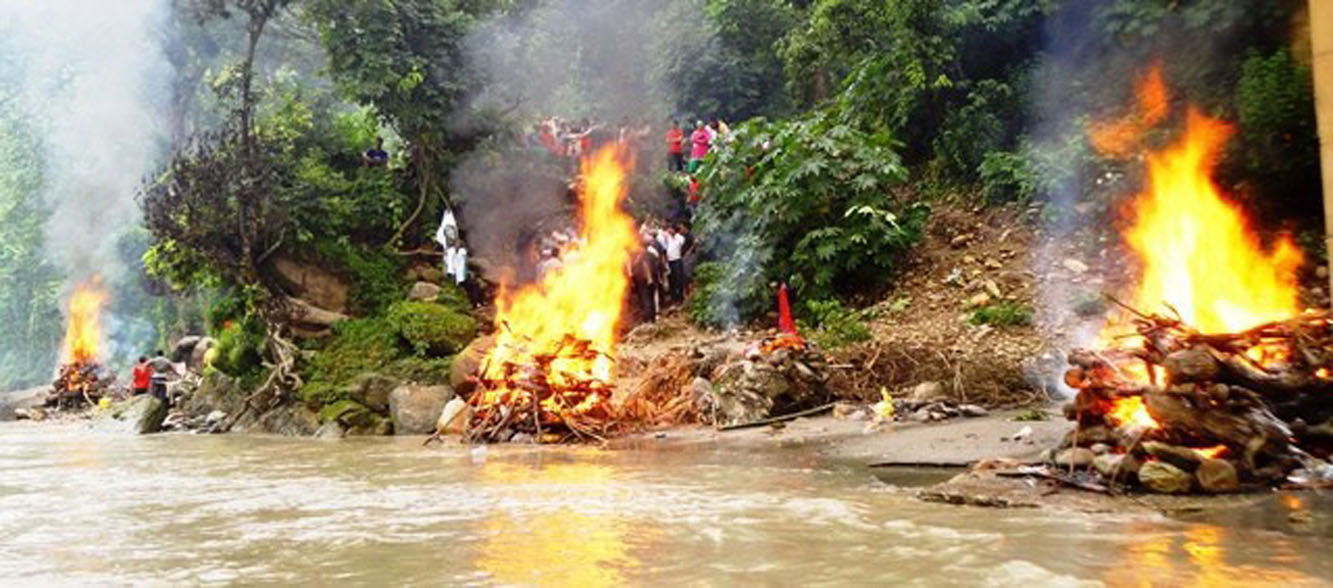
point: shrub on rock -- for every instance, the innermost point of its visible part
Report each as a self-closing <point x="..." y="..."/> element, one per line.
<point x="431" y="328"/>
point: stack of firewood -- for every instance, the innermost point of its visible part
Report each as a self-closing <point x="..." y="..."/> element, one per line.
<point x="537" y="401"/>
<point x="79" y="383"/>
<point x="776" y="376"/>
<point x="1185" y="411"/>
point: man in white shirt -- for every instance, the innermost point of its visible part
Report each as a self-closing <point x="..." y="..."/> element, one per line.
<point x="674" y="244"/>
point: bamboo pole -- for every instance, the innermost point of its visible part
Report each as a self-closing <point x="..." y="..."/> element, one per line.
<point x="1321" y="49"/>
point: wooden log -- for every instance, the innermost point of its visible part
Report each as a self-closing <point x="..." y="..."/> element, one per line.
<point x="1256" y="430"/>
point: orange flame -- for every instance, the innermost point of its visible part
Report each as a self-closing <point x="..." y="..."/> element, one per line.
<point x="582" y="298"/>
<point x="1199" y="253"/>
<point x="1131" y="413"/>
<point x="1211" y="452"/>
<point x="83" y="329"/>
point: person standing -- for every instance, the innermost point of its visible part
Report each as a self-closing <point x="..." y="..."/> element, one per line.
<point x="163" y="372"/>
<point x="642" y="282"/>
<point x="142" y="377"/>
<point x="376" y="156"/>
<point x="700" y="141"/>
<point x="675" y="139"/>
<point x="674" y="244"/>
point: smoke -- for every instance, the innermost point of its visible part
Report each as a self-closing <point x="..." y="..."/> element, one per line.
<point x="571" y="59"/>
<point x="93" y="74"/>
<point x="91" y="78"/>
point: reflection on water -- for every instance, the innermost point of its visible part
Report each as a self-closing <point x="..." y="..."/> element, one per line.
<point x="564" y="545"/>
<point x="76" y="508"/>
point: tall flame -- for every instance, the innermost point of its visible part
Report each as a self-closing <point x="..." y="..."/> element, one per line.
<point x="582" y="298"/>
<point x="1198" y="253"/>
<point x="83" y="329"/>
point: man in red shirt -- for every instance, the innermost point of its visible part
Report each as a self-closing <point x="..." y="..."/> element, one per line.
<point x="675" y="139"/>
<point x="143" y="374"/>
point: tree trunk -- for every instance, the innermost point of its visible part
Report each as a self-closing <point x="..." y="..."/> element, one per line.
<point x="1321" y="49"/>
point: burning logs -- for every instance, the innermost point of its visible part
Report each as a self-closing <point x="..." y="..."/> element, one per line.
<point x="80" y="382"/>
<point x="1188" y="410"/>
<point x="546" y="397"/>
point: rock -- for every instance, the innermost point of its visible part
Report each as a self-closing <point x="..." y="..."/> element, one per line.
<point x="140" y="415"/>
<point x="1078" y="457"/>
<point x="1182" y="457"/>
<point x="960" y="241"/>
<point x="184" y="348"/>
<point x="522" y="438"/>
<point x="843" y="410"/>
<point x="25" y="400"/>
<point x="1075" y="265"/>
<point x="972" y="411"/>
<point x="1106" y="463"/>
<point x="310" y="282"/>
<point x="1217" y="476"/>
<point x="423" y="291"/>
<point x="415" y="409"/>
<point x="372" y="390"/>
<point x="979" y="300"/>
<point x="1164" y="478"/>
<point x="700" y="388"/>
<point x="1100" y="448"/>
<point x="927" y="392"/>
<point x="991" y="288"/>
<point x="331" y="430"/>
<point x="466" y="364"/>
<point x="922" y="415"/>
<point x="454" y="418"/>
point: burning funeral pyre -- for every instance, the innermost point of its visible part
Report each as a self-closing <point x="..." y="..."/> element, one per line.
<point x="1213" y="379"/>
<point x="550" y="375"/>
<point x="81" y="379"/>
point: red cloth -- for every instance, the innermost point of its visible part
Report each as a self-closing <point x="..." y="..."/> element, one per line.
<point x="143" y="375"/>
<point x="785" y="322"/>
<point x="675" y="141"/>
<point x="694" y="191"/>
<point x="548" y="141"/>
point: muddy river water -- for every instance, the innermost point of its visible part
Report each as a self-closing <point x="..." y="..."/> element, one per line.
<point x="80" y="508"/>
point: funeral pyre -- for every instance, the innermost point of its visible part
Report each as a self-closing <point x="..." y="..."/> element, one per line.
<point x="81" y="379"/>
<point x="1211" y="379"/>
<point x="550" y="374"/>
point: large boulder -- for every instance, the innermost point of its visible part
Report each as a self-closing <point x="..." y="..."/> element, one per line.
<point x="199" y="353"/>
<point x="416" y="408"/>
<point x="466" y="364"/>
<point x="310" y="282"/>
<point x="372" y="390"/>
<point x="747" y="391"/>
<point x="21" y="400"/>
<point x="141" y="415"/>
<point x="184" y="347"/>
<point x="423" y="291"/>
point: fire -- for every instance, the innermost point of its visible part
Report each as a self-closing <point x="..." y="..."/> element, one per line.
<point x="1211" y="452"/>
<point x="1198" y="253"/>
<point x="83" y="330"/>
<point x="567" y="323"/>
<point x="1131" y="413"/>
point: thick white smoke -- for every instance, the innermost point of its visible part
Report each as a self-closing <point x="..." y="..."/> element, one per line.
<point x="94" y="73"/>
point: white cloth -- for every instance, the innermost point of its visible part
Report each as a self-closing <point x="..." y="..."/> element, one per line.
<point x="455" y="263"/>
<point x="674" y="245"/>
<point x="447" y="234"/>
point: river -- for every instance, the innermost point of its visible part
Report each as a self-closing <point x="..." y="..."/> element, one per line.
<point x="81" y="508"/>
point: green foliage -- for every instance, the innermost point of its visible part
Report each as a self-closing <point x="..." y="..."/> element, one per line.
<point x="805" y="202"/>
<point x="716" y="57"/>
<point x="834" y="325"/>
<point x="1003" y="314"/>
<point x="430" y="328"/>
<point x="375" y="275"/>
<point x="1275" y="103"/>
<point x="240" y="347"/>
<point x="453" y="297"/>
<point x="357" y="346"/>
<point x="1006" y="177"/>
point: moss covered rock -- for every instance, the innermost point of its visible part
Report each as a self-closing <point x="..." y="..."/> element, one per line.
<point x="431" y="328"/>
<point x="350" y="413"/>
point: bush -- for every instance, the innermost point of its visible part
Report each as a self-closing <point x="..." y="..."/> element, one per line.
<point x="1275" y="103"/>
<point x="375" y="275"/>
<point x="357" y="347"/>
<point x="240" y="347"/>
<point x="805" y="202"/>
<point x="429" y="328"/>
<point x="453" y="297"/>
<point x="1006" y="177"/>
<point x="1003" y="314"/>
<point x="835" y="325"/>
